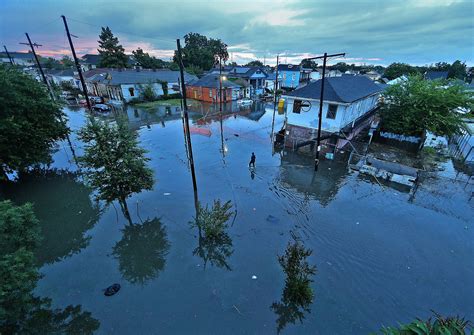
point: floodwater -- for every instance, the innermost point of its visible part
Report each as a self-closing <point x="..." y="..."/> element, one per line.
<point x="383" y="256"/>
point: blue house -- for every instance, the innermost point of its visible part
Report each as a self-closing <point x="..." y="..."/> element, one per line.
<point x="253" y="76"/>
<point x="290" y="75"/>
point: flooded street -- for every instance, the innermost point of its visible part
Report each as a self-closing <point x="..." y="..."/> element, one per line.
<point x="382" y="255"/>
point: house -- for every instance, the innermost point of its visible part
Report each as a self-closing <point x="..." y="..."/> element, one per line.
<point x="89" y="62"/>
<point x="254" y="76"/>
<point x="372" y="75"/>
<point x="208" y="87"/>
<point x="348" y="107"/>
<point x="19" y="58"/>
<point x="433" y="75"/>
<point x="128" y="84"/>
<point x="271" y="80"/>
<point x="290" y="75"/>
<point x="397" y="80"/>
<point x="61" y="77"/>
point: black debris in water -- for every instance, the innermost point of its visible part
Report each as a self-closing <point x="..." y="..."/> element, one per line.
<point x="112" y="289"/>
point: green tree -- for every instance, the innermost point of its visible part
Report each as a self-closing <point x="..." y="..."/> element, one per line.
<point x="20" y="311"/>
<point x="30" y="122"/>
<point x="309" y="64"/>
<point x="396" y="70"/>
<point x="215" y="245"/>
<point x="417" y="105"/>
<point x="67" y="62"/>
<point x="457" y="70"/>
<point x="440" y="326"/>
<point x="146" y="61"/>
<point x="142" y="251"/>
<point x="115" y="164"/>
<point x="297" y="295"/>
<point x="148" y="93"/>
<point x="111" y="51"/>
<point x="202" y="52"/>
<point x="254" y="63"/>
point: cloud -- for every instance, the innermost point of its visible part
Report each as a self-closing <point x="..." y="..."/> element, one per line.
<point x="414" y="31"/>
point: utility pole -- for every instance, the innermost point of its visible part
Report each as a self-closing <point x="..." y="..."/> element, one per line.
<point x="8" y="54"/>
<point x="78" y="66"/>
<point x="32" y="46"/>
<point x="186" y="119"/>
<point x="275" y="88"/>
<point x="321" y="98"/>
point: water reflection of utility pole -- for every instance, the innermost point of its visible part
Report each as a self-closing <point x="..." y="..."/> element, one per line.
<point x="186" y="119"/>
<point x="275" y="88"/>
<point x="220" y="108"/>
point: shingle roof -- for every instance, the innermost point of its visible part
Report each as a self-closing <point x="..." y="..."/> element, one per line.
<point x="245" y="71"/>
<point x="432" y="75"/>
<point x="343" y="89"/>
<point x="94" y="59"/>
<point x="129" y="76"/>
<point x="212" y="80"/>
<point x="288" y="67"/>
<point x="61" y="73"/>
<point x="19" y="55"/>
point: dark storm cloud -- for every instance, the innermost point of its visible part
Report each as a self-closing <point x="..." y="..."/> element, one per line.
<point x="421" y="31"/>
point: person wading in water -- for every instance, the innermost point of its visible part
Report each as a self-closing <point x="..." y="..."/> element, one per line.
<point x="252" y="160"/>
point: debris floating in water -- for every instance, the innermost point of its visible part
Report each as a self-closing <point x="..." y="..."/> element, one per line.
<point x="273" y="219"/>
<point x="112" y="289"/>
<point x="166" y="193"/>
<point x="254" y="277"/>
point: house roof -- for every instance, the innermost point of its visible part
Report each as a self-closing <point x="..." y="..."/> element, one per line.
<point x="245" y="71"/>
<point x="212" y="80"/>
<point x="61" y="73"/>
<point x="344" y="89"/>
<point x="432" y="75"/>
<point x="18" y="55"/>
<point x="288" y="67"/>
<point x="130" y="76"/>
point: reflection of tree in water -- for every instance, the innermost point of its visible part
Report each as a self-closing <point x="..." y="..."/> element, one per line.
<point x="42" y="319"/>
<point x="215" y="245"/>
<point x="142" y="251"/>
<point x="62" y="204"/>
<point x="297" y="295"/>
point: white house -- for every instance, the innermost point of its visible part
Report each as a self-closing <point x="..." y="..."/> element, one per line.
<point x="254" y="76"/>
<point x="59" y="77"/>
<point x="128" y="84"/>
<point x="348" y="106"/>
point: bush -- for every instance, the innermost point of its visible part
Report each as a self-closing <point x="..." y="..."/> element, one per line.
<point x="148" y="93"/>
<point x="213" y="221"/>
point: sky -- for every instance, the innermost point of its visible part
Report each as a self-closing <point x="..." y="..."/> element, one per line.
<point x="369" y="31"/>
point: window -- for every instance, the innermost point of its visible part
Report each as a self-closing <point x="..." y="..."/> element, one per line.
<point x="297" y="106"/>
<point x="332" y="110"/>
<point x="132" y="91"/>
<point x="210" y="93"/>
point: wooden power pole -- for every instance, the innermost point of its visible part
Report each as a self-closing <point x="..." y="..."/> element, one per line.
<point x="78" y="66"/>
<point x="186" y="119"/>
<point x="8" y="55"/>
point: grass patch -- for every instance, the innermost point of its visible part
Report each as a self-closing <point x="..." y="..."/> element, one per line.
<point x="153" y="104"/>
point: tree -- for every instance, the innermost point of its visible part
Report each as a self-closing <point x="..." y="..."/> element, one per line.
<point x="309" y="64"/>
<point x="441" y="326"/>
<point x="215" y="245"/>
<point x="51" y="64"/>
<point x="416" y="105"/>
<point x="201" y="52"/>
<point x="341" y="66"/>
<point x="67" y="62"/>
<point x="20" y="311"/>
<point x="30" y="122"/>
<point x="232" y="64"/>
<point x="457" y="70"/>
<point x="254" y="63"/>
<point x="115" y="164"/>
<point x="297" y="295"/>
<point x="111" y="51"/>
<point x="396" y="70"/>
<point x="146" y="61"/>
<point x="148" y="93"/>
<point x="142" y="251"/>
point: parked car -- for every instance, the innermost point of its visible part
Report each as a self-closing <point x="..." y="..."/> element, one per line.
<point x="245" y="102"/>
<point x="101" y="107"/>
<point x="97" y="100"/>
